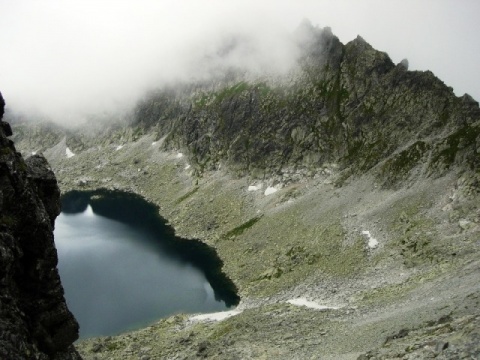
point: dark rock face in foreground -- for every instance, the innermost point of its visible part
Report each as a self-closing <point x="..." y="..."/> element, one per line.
<point x="35" y="322"/>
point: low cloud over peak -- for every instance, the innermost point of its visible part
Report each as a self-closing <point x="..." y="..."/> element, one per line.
<point x="66" y="60"/>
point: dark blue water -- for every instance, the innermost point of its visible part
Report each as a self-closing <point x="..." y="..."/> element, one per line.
<point x="118" y="276"/>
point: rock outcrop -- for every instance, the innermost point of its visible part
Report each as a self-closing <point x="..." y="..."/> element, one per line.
<point x="35" y="322"/>
<point x="345" y="104"/>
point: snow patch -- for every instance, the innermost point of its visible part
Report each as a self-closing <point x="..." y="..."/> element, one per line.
<point x="118" y="147"/>
<point x="309" y="304"/>
<point x="187" y="167"/>
<point x="34" y="153"/>
<point x="154" y="143"/>
<point x="217" y="316"/>
<point x="69" y="153"/>
<point x="89" y="211"/>
<point x="270" y="190"/>
<point x="372" y="242"/>
<point x="179" y="155"/>
<point x="254" y="187"/>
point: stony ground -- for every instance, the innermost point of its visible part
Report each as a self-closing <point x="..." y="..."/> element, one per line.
<point x="414" y="295"/>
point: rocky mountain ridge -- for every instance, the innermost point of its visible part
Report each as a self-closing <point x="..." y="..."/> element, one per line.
<point x="347" y="105"/>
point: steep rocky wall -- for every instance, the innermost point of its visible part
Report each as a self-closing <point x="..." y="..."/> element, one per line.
<point x="347" y="104"/>
<point x="35" y="322"/>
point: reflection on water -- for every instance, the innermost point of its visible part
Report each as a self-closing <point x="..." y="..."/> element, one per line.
<point x="117" y="277"/>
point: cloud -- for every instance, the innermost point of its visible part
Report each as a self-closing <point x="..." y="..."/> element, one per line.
<point x="67" y="59"/>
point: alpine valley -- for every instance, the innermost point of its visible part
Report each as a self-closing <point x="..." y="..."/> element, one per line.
<point x="342" y="197"/>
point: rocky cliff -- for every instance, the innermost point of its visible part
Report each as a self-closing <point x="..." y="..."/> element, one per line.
<point x="35" y="322"/>
<point x="344" y="104"/>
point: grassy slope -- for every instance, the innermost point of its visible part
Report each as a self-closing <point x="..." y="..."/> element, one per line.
<point x="305" y="240"/>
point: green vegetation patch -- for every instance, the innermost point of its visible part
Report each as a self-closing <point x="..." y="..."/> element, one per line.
<point x="228" y="92"/>
<point x="335" y="258"/>
<point x="186" y="196"/>
<point x="398" y="166"/>
<point x="206" y="99"/>
<point x="415" y="237"/>
<point x="241" y="228"/>
<point x="446" y="153"/>
<point x="387" y="294"/>
<point x="289" y="250"/>
<point x="8" y="221"/>
<point x="393" y="292"/>
<point x="5" y="151"/>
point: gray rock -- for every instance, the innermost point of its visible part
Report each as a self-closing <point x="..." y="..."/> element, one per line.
<point x="34" y="319"/>
<point x="466" y="224"/>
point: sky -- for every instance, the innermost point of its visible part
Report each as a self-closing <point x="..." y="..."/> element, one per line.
<point x="66" y="59"/>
